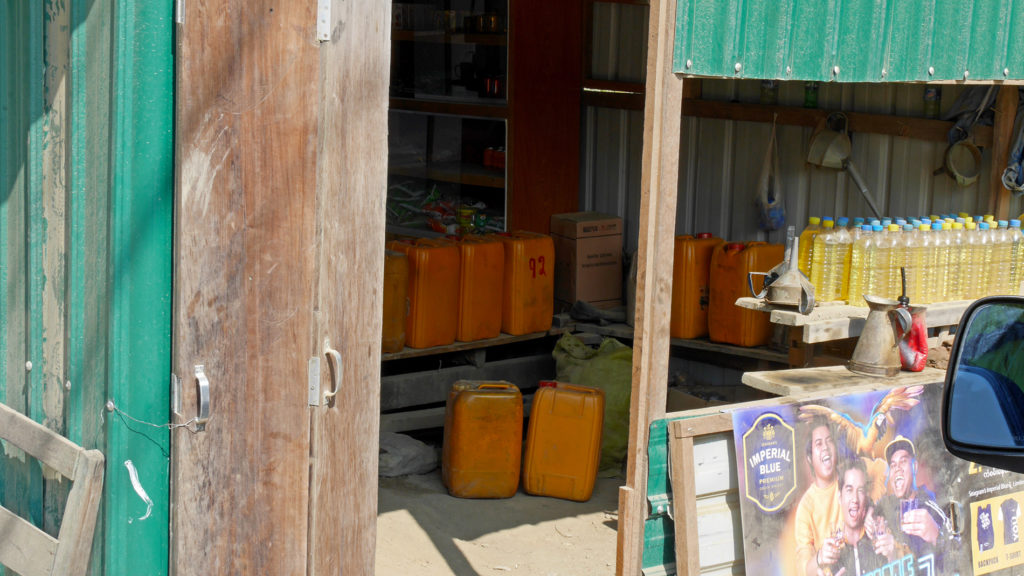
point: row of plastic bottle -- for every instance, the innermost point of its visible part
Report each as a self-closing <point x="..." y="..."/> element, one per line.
<point x="946" y="258"/>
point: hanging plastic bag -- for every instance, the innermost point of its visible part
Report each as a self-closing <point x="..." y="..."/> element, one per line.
<point x="771" y="210"/>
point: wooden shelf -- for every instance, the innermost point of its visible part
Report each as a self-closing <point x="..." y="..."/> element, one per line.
<point x="463" y="346"/>
<point x="478" y="107"/>
<point x="830" y="322"/>
<point x="828" y="380"/>
<point x="453" y="172"/>
<point x="625" y="331"/>
<point x="442" y="37"/>
<point x="904" y="126"/>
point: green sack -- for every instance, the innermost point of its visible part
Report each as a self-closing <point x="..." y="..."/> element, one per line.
<point x="609" y="368"/>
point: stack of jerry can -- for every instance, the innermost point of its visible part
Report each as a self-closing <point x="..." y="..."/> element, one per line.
<point x="730" y="265"/>
<point x="481" y="285"/>
<point x="396" y="301"/>
<point x="528" y="298"/>
<point x="483" y="439"/>
<point x="434" y="266"/>
<point x="563" y="442"/>
<point x="691" y="273"/>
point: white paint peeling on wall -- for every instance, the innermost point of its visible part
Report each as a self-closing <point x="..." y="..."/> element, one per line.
<point x="133" y="474"/>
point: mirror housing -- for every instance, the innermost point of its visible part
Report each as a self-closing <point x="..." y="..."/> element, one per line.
<point x="983" y="400"/>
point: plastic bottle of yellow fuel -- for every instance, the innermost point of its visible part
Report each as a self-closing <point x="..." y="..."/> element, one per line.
<point x="862" y="265"/>
<point x="807" y="244"/>
<point x="818" y="258"/>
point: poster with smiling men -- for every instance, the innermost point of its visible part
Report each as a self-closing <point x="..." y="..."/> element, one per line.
<point x="856" y="485"/>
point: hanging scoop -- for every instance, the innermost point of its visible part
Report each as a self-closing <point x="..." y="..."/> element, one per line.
<point x="785" y="284"/>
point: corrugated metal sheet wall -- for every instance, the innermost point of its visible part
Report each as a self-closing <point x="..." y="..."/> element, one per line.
<point x="86" y="183"/>
<point x="721" y="160"/>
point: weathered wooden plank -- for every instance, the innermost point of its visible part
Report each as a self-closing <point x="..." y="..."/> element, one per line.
<point x="418" y="388"/>
<point x="79" y="518"/>
<point x="1002" y="139"/>
<point x="351" y="184"/>
<point x="247" y="92"/>
<point x="831" y="379"/>
<point x="57" y="452"/>
<point x="460" y="346"/>
<point x="24" y="548"/>
<point x="685" y="503"/>
<point x="840" y="321"/>
<point x="659" y="185"/>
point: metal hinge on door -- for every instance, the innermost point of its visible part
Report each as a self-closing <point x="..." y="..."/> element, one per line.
<point x="323" y="20"/>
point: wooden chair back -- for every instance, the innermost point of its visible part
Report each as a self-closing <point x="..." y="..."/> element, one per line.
<point x="28" y="550"/>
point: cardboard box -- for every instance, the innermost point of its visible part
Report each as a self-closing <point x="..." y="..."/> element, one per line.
<point x="588" y="257"/>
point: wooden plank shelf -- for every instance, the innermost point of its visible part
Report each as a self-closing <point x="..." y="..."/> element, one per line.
<point x="830" y="380"/>
<point x="837" y="321"/>
<point x="903" y="126"/>
<point x="443" y="37"/>
<point x="474" y="345"/>
<point x="625" y="331"/>
<point x="452" y="106"/>
<point x="453" y="172"/>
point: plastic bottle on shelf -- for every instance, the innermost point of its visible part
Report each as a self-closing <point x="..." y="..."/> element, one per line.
<point x="998" y="274"/>
<point x="954" y="263"/>
<point x="922" y="253"/>
<point x="938" y="263"/>
<point x="819" y="259"/>
<point x="974" y="270"/>
<point x="836" y="277"/>
<point x="882" y="281"/>
<point x="807" y="244"/>
<point x="1016" y="243"/>
<point x="861" y="259"/>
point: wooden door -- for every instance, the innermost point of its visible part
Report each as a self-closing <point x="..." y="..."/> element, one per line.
<point x="279" y="246"/>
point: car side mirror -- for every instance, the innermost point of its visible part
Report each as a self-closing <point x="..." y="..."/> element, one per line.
<point x="983" y="402"/>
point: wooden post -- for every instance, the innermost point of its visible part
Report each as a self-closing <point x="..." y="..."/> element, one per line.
<point x="1002" y="138"/>
<point x="659" y="185"/>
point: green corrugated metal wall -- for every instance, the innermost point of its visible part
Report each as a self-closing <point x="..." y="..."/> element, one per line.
<point x="86" y="185"/>
<point x="864" y="40"/>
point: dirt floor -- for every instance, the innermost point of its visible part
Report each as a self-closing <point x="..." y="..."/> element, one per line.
<point x="422" y="530"/>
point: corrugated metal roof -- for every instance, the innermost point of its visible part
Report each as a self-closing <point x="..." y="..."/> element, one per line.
<point x="851" y="40"/>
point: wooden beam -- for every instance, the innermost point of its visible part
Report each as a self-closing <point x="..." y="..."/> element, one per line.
<point x="1002" y="139"/>
<point x="903" y="126"/>
<point x="659" y="185"/>
<point x="684" y="502"/>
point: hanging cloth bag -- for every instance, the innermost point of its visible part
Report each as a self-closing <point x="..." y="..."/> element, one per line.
<point x="771" y="211"/>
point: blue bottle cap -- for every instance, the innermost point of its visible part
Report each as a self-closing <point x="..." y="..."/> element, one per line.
<point x="1015" y="223"/>
<point x="936" y="225"/>
<point x="843" y="221"/>
<point x="876" y="227"/>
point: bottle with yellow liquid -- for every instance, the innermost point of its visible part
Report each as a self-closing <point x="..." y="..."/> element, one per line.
<point x="807" y="244"/>
<point x="862" y="261"/>
<point x="937" y="264"/>
<point x="955" y="262"/>
<point x="973" y="265"/>
<point x="1016" y="276"/>
<point x="999" y="274"/>
<point x="818" y="260"/>
<point x="882" y="278"/>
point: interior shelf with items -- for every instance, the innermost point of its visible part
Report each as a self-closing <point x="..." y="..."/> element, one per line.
<point x="448" y="119"/>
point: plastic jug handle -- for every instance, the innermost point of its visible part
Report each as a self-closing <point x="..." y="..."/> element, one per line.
<point x="584" y="389"/>
<point x="494" y="387"/>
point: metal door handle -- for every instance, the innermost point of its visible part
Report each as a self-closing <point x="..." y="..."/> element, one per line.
<point x="202" y="398"/>
<point x="334" y="360"/>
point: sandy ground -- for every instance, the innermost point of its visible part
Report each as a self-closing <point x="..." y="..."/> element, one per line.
<point x="423" y="531"/>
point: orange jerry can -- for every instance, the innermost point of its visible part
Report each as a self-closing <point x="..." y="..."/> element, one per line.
<point x="690" y="279"/>
<point x="563" y="441"/>
<point x="433" y="291"/>
<point x="483" y="439"/>
<point x="481" y="283"/>
<point x="730" y="264"/>
<point x="529" y="296"/>
<point x="396" y="300"/>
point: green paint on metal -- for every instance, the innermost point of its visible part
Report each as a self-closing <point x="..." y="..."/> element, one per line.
<point x="659" y="530"/>
<point x="851" y="40"/>
<point x="140" y="277"/>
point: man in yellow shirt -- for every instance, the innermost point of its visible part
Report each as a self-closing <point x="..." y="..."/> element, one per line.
<point x="817" y="514"/>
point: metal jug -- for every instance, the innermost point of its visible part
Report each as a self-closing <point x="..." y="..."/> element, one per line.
<point x="876" y="353"/>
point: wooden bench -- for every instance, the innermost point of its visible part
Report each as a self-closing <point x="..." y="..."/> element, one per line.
<point x="28" y="550"/>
